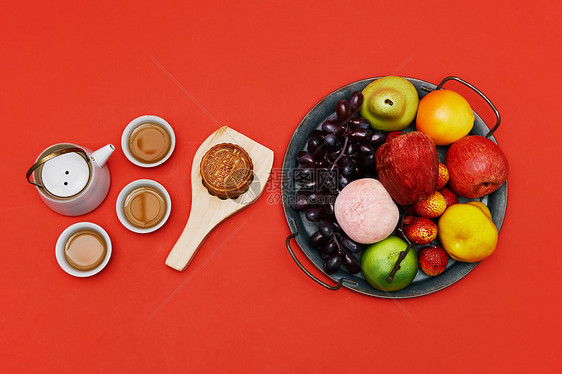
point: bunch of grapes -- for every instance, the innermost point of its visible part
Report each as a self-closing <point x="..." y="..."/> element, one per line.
<point x="342" y="151"/>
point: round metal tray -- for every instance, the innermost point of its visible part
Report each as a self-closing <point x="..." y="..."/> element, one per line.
<point x="301" y="229"/>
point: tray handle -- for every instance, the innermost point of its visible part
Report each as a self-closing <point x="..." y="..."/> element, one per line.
<point x="295" y="232"/>
<point x="498" y="118"/>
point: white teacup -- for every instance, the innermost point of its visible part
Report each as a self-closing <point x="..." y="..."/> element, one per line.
<point x="159" y="132"/>
<point x="153" y="217"/>
<point x="64" y="238"/>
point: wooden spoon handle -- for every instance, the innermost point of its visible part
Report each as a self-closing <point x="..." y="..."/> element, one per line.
<point x="190" y="240"/>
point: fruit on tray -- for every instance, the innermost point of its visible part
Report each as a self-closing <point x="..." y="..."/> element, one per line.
<point x="365" y="211"/>
<point x="432" y="206"/>
<point x="467" y="232"/>
<point x="390" y="103"/>
<point x="408" y="167"/>
<point x="421" y="230"/>
<point x="477" y="166"/>
<point x="433" y="260"/>
<point x="445" y="116"/>
<point x="339" y="192"/>
<point x="378" y="261"/>
<point x="450" y="197"/>
<point x="443" y="176"/>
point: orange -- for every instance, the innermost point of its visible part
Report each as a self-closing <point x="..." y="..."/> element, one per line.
<point x="444" y="116"/>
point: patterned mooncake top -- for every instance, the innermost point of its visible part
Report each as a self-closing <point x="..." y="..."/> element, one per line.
<point x="226" y="171"/>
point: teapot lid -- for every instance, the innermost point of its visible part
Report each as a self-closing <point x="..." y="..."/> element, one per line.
<point x="65" y="175"/>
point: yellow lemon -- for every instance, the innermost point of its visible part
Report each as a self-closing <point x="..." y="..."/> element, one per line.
<point x="467" y="232"/>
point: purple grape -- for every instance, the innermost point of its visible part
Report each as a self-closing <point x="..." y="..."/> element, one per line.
<point x="366" y="148"/>
<point x="313" y="197"/>
<point x="332" y="156"/>
<point x="303" y="175"/>
<point x="333" y="119"/>
<point x="308" y="184"/>
<point x="329" y="206"/>
<point x="378" y="137"/>
<point x="326" y="226"/>
<point x="347" y="166"/>
<point x="359" y="123"/>
<point x="300" y="202"/>
<point x="315" y="144"/>
<point x="306" y="171"/>
<point x="304" y="157"/>
<point x="328" y="181"/>
<point x="358" y="135"/>
<point x="317" y="239"/>
<point x="333" y="262"/>
<point x="351" y="149"/>
<point x="366" y="161"/>
<point x="349" y="244"/>
<point x="351" y="263"/>
<point x="314" y="213"/>
<point x="355" y="101"/>
<point x="343" y="111"/>
<point x="333" y="128"/>
<point x="330" y="140"/>
<point x="327" y="249"/>
<point x="333" y="141"/>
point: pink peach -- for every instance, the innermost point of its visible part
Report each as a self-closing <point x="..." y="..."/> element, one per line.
<point x="365" y="211"/>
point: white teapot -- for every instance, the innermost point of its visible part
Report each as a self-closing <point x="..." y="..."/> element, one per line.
<point x="70" y="179"/>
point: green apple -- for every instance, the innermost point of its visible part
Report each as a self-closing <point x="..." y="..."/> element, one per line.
<point x="390" y="103"/>
<point x="378" y="261"/>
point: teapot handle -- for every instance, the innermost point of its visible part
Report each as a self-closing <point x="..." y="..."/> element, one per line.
<point x="49" y="157"/>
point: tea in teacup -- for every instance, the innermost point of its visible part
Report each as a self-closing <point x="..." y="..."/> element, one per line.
<point x="85" y="250"/>
<point x="144" y="207"/>
<point x="149" y="142"/>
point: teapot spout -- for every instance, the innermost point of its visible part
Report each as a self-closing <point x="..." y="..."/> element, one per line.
<point x="101" y="155"/>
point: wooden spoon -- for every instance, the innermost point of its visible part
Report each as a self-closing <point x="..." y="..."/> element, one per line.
<point x="208" y="211"/>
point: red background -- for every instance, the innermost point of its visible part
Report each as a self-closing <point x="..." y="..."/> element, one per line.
<point x="79" y="72"/>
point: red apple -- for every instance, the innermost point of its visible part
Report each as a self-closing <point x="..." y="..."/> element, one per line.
<point x="408" y="167"/>
<point x="477" y="166"/>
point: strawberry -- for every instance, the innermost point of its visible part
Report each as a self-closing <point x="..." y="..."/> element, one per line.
<point x="432" y="206"/>
<point x="443" y="176"/>
<point x="450" y="197"/>
<point x="421" y="230"/>
<point x="433" y="260"/>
